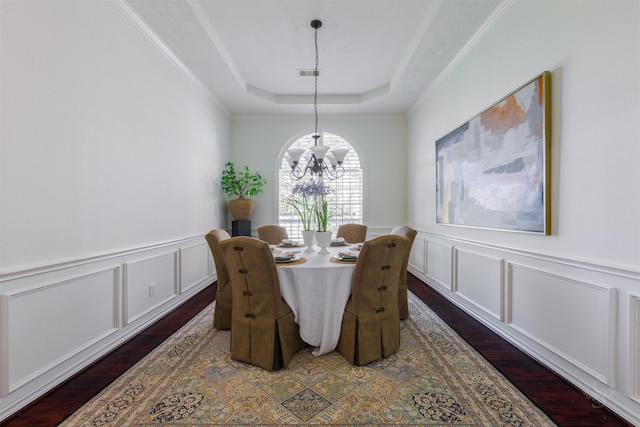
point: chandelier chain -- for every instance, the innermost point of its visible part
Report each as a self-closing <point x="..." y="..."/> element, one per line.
<point x="317" y="165"/>
<point x="315" y="93"/>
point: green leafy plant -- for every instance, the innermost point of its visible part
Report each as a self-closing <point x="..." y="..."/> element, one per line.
<point x="323" y="215"/>
<point x="304" y="200"/>
<point x="305" y="208"/>
<point x="320" y="190"/>
<point x="241" y="183"/>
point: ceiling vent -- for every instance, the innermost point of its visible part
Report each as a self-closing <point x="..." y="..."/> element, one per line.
<point x="308" y="73"/>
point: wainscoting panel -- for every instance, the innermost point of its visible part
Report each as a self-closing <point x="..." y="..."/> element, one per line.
<point x="71" y="315"/>
<point x="634" y="347"/>
<point x="417" y="256"/>
<point x="439" y="263"/>
<point x="540" y="302"/>
<point x="149" y="283"/>
<point x="479" y="279"/>
<point x="194" y="265"/>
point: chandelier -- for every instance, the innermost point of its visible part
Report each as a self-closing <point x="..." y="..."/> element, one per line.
<point x="320" y="161"/>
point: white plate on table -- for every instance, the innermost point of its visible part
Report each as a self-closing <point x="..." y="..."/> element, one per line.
<point x="346" y="258"/>
<point x="285" y="260"/>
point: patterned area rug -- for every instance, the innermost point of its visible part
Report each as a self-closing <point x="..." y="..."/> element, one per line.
<point x="435" y="379"/>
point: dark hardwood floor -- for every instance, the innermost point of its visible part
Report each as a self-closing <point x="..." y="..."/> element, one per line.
<point x="564" y="404"/>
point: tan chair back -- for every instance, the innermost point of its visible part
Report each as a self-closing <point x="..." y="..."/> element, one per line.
<point x="403" y="298"/>
<point x="371" y="324"/>
<point x="272" y="234"/>
<point x="263" y="329"/>
<point x="353" y="233"/>
<point x="222" y="312"/>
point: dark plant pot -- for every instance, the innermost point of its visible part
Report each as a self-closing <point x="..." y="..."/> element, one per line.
<point x="241" y="208"/>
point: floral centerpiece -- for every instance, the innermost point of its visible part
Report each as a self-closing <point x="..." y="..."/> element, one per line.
<point x="309" y="202"/>
<point x="323" y="214"/>
<point x="302" y="201"/>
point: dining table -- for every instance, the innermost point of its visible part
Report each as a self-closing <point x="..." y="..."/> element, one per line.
<point x="317" y="290"/>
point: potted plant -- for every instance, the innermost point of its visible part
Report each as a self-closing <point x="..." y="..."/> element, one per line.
<point x="241" y="183"/>
<point x="303" y="203"/>
<point x="322" y="214"/>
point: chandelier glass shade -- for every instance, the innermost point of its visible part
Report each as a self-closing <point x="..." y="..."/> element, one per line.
<point x="319" y="161"/>
<point x="316" y="161"/>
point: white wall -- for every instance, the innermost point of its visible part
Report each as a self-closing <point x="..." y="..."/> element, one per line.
<point x="380" y="142"/>
<point x="570" y="299"/>
<point x="110" y="161"/>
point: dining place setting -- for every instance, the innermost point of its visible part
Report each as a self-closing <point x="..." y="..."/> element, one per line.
<point x="284" y="252"/>
<point x="339" y="241"/>
<point x="288" y="243"/>
<point x="290" y="257"/>
<point x="347" y="256"/>
<point x="286" y="257"/>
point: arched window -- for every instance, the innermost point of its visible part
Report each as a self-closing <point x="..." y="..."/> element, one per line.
<point x="345" y="199"/>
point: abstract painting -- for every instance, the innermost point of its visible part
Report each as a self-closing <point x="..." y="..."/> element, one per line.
<point x="492" y="172"/>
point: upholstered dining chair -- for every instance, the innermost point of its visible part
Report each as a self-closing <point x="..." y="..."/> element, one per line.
<point x="403" y="301"/>
<point x="222" y="312"/>
<point x="353" y="233"/>
<point x="370" y="323"/>
<point x="272" y="234"/>
<point x="263" y="329"/>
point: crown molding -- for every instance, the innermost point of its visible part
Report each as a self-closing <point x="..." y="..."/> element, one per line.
<point x="144" y="28"/>
<point x="473" y="41"/>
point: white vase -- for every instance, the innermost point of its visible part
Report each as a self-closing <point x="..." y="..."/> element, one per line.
<point x="323" y="238"/>
<point x="309" y="238"/>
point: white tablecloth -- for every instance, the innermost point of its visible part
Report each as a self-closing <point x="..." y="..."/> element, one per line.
<point x="317" y="292"/>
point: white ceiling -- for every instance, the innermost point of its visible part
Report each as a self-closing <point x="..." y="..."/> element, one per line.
<point x="375" y="56"/>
